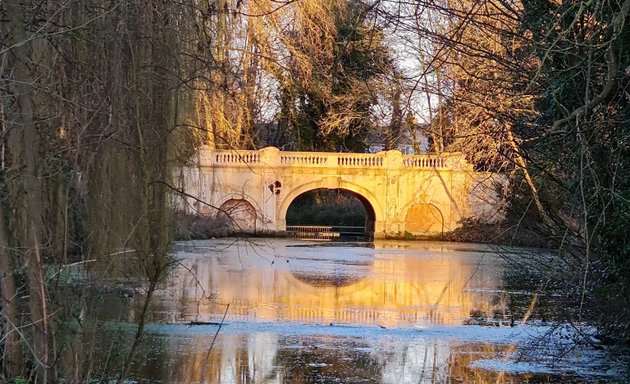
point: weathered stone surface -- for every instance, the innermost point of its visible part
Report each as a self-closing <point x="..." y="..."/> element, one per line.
<point x="421" y="194"/>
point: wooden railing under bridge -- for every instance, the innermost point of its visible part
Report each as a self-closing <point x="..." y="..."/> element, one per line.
<point x="326" y="232"/>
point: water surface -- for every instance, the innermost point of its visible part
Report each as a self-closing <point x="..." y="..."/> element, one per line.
<point x="313" y="312"/>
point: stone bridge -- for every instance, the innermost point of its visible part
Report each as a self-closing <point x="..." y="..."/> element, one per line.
<point x="417" y="194"/>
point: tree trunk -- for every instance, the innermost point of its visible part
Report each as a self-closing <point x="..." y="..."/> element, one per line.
<point x="522" y="164"/>
<point x="27" y="155"/>
<point x="12" y="358"/>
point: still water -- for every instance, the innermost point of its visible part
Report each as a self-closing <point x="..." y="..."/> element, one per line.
<point x="382" y="312"/>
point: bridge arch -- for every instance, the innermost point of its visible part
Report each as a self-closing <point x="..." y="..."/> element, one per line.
<point x="371" y="203"/>
<point x="241" y="196"/>
<point x="241" y="213"/>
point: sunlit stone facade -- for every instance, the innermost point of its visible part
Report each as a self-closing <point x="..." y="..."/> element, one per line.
<point x="418" y="194"/>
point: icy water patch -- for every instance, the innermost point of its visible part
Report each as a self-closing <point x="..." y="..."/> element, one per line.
<point x="287" y="353"/>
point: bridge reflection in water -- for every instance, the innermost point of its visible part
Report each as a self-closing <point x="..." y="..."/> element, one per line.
<point x="327" y="284"/>
<point x="330" y="288"/>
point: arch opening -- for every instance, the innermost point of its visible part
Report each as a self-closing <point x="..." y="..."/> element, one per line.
<point x="330" y="213"/>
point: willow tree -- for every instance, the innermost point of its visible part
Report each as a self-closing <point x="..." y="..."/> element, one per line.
<point x="92" y="101"/>
<point x="25" y="197"/>
<point x="228" y="60"/>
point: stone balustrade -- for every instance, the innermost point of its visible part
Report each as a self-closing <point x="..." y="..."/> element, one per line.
<point x="271" y="156"/>
<point x="302" y="158"/>
<point x="236" y="157"/>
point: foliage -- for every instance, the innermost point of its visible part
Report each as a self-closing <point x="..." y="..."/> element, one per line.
<point x="582" y="143"/>
<point x="326" y="208"/>
<point x="327" y="103"/>
<point x="90" y="110"/>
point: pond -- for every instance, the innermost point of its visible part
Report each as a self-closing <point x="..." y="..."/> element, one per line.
<point x="290" y="311"/>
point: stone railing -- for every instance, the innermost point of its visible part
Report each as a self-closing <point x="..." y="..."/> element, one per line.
<point x="303" y="158"/>
<point x="360" y="159"/>
<point x="424" y="161"/>
<point x="237" y="157"/>
<point x="273" y="157"/>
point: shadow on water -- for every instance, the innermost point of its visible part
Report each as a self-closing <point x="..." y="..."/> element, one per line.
<point x="387" y="312"/>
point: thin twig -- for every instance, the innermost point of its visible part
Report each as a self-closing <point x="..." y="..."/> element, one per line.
<point x="205" y="365"/>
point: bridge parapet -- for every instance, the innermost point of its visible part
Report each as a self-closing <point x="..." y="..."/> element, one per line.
<point x="273" y="157"/>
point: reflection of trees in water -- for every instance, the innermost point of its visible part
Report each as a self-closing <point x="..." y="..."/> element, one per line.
<point x="269" y="358"/>
<point x="327" y="359"/>
<point x="236" y="358"/>
<point x="418" y="361"/>
<point x="463" y="355"/>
